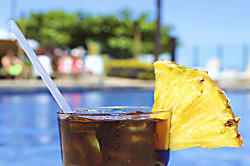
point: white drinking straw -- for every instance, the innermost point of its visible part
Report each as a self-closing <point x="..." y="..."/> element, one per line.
<point x="36" y="63"/>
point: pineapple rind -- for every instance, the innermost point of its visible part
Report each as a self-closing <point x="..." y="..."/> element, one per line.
<point x="200" y="110"/>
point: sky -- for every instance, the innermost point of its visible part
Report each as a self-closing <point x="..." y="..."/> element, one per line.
<point x="196" y="22"/>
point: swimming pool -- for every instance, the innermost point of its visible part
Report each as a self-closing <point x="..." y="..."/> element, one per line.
<point x="29" y="134"/>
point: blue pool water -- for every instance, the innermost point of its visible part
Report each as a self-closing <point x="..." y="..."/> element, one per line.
<point x="29" y="134"/>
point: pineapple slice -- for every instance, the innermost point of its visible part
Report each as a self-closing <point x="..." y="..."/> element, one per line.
<point x="201" y="113"/>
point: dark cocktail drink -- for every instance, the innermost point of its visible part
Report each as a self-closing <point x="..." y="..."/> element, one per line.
<point x="114" y="136"/>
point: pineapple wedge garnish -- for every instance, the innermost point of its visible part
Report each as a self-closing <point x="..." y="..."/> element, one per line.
<point x="201" y="113"/>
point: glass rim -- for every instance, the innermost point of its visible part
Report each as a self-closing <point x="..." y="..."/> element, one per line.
<point x="126" y="110"/>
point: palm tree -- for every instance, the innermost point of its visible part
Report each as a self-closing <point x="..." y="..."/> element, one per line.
<point x="158" y="32"/>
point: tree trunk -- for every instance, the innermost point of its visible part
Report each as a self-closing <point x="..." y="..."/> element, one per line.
<point x="137" y="43"/>
<point x="220" y="55"/>
<point x="158" y="31"/>
<point x="172" y="47"/>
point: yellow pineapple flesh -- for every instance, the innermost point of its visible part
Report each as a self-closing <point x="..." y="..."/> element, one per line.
<point x="201" y="113"/>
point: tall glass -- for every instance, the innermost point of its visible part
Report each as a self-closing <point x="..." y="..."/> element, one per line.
<point x="114" y="136"/>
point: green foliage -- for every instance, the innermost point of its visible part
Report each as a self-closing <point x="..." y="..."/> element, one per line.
<point x="115" y="32"/>
<point x="93" y="48"/>
<point x="50" y="29"/>
<point x="130" y="68"/>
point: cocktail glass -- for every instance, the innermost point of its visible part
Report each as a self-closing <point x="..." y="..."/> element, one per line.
<point x="114" y="136"/>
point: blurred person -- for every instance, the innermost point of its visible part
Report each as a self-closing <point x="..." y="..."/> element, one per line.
<point x="12" y="65"/>
<point x="57" y="52"/>
<point x="27" y="66"/>
<point x="65" y="63"/>
<point x="45" y="60"/>
<point x="77" y="65"/>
